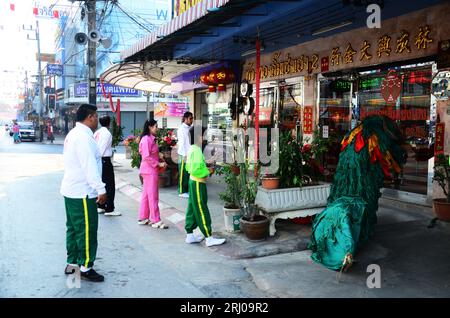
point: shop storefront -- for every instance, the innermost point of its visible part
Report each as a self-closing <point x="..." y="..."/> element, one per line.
<point x="346" y="100"/>
<point x="358" y="73"/>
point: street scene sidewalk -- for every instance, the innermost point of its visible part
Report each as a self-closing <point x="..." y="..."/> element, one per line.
<point x="289" y="237"/>
<point x="413" y="258"/>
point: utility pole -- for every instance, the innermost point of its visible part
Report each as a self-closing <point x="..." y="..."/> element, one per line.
<point x="40" y="79"/>
<point x="92" y="53"/>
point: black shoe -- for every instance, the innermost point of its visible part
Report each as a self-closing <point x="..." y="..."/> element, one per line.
<point x="70" y="269"/>
<point x="92" y="276"/>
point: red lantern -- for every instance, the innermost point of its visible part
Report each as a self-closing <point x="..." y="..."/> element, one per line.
<point x="212" y="77"/>
<point x="204" y="78"/>
<point x="223" y="77"/>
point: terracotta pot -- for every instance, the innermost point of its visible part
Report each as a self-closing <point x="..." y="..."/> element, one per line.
<point x="442" y="209"/>
<point x="270" y="183"/>
<point x="257" y="230"/>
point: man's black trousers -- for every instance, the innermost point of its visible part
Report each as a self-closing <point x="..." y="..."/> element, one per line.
<point x="108" y="179"/>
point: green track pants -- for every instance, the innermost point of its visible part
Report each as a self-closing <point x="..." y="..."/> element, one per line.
<point x="81" y="235"/>
<point x="183" y="179"/>
<point x="197" y="213"/>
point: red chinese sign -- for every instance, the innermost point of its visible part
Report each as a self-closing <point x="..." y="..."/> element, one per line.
<point x="439" y="144"/>
<point x="324" y="65"/>
<point x="308" y="120"/>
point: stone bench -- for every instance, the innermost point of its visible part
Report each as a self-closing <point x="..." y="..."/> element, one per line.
<point x="292" y="203"/>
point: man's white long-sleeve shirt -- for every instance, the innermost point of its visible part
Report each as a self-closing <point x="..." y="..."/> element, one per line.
<point x="82" y="165"/>
<point x="104" y="141"/>
<point x="184" y="141"/>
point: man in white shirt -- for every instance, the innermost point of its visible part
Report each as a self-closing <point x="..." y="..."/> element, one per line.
<point x="104" y="141"/>
<point x="82" y="188"/>
<point x="183" y="145"/>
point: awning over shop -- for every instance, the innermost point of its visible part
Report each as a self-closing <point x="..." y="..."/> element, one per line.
<point x="145" y="76"/>
<point x="179" y="22"/>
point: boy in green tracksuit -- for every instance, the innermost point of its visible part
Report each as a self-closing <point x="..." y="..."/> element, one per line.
<point x="197" y="214"/>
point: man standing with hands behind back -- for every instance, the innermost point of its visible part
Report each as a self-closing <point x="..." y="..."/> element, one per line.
<point x="183" y="145"/>
<point x="83" y="189"/>
<point x="104" y="141"/>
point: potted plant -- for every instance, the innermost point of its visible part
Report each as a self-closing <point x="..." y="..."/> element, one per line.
<point x="442" y="177"/>
<point x="231" y="197"/>
<point x="254" y="225"/>
<point x="300" y="193"/>
<point x="270" y="181"/>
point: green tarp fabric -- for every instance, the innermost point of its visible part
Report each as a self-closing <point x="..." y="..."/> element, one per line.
<point x="350" y="216"/>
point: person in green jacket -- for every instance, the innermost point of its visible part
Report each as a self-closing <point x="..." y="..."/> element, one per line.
<point x="197" y="214"/>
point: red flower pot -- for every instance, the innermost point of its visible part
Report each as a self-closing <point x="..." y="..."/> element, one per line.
<point x="270" y="183"/>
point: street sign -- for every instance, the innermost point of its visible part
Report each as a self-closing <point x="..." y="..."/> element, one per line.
<point x="54" y="69"/>
<point x="46" y="57"/>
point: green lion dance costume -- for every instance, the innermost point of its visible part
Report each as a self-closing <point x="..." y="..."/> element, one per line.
<point x="368" y="154"/>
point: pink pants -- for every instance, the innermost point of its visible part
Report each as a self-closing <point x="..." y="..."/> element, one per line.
<point x="149" y="200"/>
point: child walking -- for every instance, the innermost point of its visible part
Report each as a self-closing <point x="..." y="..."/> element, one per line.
<point x="197" y="214"/>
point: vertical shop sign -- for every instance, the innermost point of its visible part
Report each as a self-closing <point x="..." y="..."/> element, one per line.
<point x="439" y="144"/>
<point x="325" y="64"/>
<point x="307" y="120"/>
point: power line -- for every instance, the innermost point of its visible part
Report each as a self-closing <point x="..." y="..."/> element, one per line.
<point x="137" y="22"/>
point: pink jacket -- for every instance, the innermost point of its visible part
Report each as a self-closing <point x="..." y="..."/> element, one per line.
<point x="150" y="155"/>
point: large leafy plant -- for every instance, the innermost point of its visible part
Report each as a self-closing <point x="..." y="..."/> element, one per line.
<point x="299" y="162"/>
<point x="232" y="193"/>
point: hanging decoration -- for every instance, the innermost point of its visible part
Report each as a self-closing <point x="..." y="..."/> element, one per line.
<point x="205" y="78"/>
<point x="217" y="79"/>
<point x="115" y="110"/>
<point x="391" y="87"/>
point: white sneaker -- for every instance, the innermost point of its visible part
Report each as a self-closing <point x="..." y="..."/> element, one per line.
<point x="184" y="195"/>
<point x="143" y="222"/>
<point x="114" y="213"/>
<point x="101" y="210"/>
<point x="192" y="238"/>
<point x="211" y="241"/>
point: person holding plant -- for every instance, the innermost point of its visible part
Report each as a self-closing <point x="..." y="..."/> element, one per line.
<point x="197" y="213"/>
<point x="148" y="149"/>
<point x="183" y="149"/>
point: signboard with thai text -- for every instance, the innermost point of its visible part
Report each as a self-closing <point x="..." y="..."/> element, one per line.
<point x="411" y="36"/>
<point x="54" y="69"/>
<point x="81" y="90"/>
<point x="170" y="109"/>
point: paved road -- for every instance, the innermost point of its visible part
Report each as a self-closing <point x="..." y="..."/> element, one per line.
<point x="137" y="261"/>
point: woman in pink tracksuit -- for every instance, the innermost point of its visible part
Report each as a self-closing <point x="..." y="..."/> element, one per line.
<point x="148" y="148"/>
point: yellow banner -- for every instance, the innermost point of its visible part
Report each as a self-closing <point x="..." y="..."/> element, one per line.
<point x="182" y="6"/>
